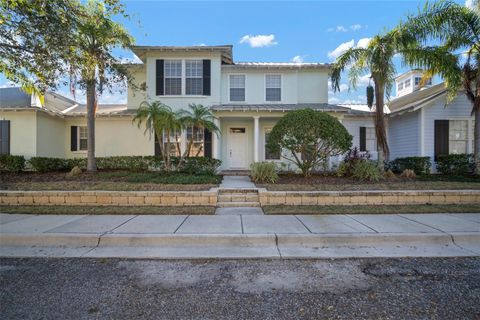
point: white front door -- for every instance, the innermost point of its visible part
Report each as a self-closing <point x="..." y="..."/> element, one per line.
<point x="237" y="148"/>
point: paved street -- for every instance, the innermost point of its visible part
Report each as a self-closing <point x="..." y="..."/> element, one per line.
<point x="420" y="288"/>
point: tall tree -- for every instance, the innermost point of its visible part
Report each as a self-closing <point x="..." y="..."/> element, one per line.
<point x="457" y="28"/>
<point x="41" y="41"/>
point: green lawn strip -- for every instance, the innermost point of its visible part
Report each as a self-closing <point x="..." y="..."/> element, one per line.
<point x="377" y="209"/>
<point x="99" y="210"/>
<point x="413" y="185"/>
<point x="108" y="186"/>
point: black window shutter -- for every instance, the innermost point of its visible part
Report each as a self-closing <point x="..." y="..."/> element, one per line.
<point x="158" y="151"/>
<point x="159" y="75"/>
<point x="363" y="139"/>
<point x="5" y="137"/>
<point x="206" y="77"/>
<point x="207" y="141"/>
<point x="441" y="137"/>
<point x="73" y="138"/>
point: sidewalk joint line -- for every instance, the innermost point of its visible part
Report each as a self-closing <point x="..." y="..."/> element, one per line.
<point x="181" y="224"/>
<point x="276" y="245"/>
<point x="121" y="224"/>
<point x="241" y="223"/>
<point x="303" y="224"/>
<point x="363" y="224"/>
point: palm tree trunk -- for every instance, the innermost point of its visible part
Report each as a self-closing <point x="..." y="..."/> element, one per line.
<point x="380" y="131"/>
<point x="91" y="163"/>
<point x="476" y="136"/>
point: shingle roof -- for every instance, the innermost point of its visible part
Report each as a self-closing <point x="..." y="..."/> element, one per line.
<point x="14" y="98"/>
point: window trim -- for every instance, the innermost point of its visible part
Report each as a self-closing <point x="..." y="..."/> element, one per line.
<point x="265" y="87"/>
<point x="245" y="87"/>
<point x="468" y="139"/>
<point x="374" y="139"/>
<point x="182" y="78"/>
<point x="78" y="140"/>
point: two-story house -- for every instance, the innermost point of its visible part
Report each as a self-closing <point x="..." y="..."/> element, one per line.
<point x="247" y="99"/>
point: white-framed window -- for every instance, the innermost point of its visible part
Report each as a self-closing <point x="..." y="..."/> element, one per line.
<point x="193" y="77"/>
<point x="419" y="79"/>
<point x="173" y="77"/>
<point x="273" y="87"/>
<point x="82" y="135"/>
<point x="400" y="86"/>
<point x="268" y="154"/>
<point x="407" y="83"/>
<point x="175" y="142"/>
<point x="198" y="141"/>
<point x="370" y="139"/>
<point x="458" y="136"/>
<point x="237" y="87"/>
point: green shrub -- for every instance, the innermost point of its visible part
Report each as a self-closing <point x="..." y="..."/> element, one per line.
<point x="366" y="170"/>
<point x="132" y="163"/>
<point x="352" y="157"/>
<point x="264" y="172"/>
<point x="10" y="163"/>
<point x="44" y="164"/>
<point x="456" y="164"/>
<point x="420" y="165"/>
<point x="301" y="131"/>
<point x="200" y="165"/>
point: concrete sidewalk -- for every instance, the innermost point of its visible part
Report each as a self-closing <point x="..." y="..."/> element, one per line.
<point x="240" y="236"/>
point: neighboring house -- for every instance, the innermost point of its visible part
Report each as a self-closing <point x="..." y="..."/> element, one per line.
<point x="420" y="122"/>
<point x="247" y="99"/>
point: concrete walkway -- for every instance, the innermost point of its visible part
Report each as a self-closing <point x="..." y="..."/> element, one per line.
<point x="237" y="182"/>
<point x="240" y="236"/>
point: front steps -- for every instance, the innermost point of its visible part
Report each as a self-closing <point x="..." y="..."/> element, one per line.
<point x="228" y="198"/>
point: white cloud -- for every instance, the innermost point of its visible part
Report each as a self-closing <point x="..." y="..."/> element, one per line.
<point x="470" y="4"/>
<point x="8" y="84"/>
<point x="259" y="41"/>
<point x="363" y="43"/>
<point x="355" y="27"/>
<point x="363" y="80"/>
<point x="340" y="28"/>
<point x="298" y="59"/>
<point x="341" y="49"/>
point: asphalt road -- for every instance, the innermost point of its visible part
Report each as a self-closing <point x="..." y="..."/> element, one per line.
<point x="242" y="289"/>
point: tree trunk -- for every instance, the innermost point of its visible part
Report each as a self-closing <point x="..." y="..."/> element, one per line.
<point x="476" y="136"/>
<point x="380" y="131"/>
<point x="91" y="162"/>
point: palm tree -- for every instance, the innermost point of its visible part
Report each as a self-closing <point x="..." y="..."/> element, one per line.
<point x="97" y="34"/>
<point x="200" y="117"/>
<point x="163" y="122"/>
<point x="458" y="30"/>
<point x="376" y="58"/>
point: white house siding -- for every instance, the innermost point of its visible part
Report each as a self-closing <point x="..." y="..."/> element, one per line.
<point x="182" y="102"/>
<point x="136" y="96"/>
<point x="353" y="127"/>
<point x="297" y="86"/>
<point x="404" y="135"/>
<point x="50" y="132"/>
<point x="23" y="138"/>
<point x="459" y="109"/>
<point x="113" y="137"/>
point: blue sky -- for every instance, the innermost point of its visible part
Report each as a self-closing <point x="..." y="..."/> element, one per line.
<point x="273" y="31"/>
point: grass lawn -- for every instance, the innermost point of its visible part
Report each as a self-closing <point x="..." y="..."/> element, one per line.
<point x="140" y="210"/>
<point x="295" y="182"/>
<point x="366" y="209"/>
<point x="109" y="180"/>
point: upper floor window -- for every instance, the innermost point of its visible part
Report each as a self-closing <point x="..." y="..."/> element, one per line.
<point x="273" y="87"/>
<point x="400" y="86"/>
<point x="194" y="77"/>
<point x="173" y="77"/>
<point x="407" y="83"/>
<point x="419" y="79"/>
<point x="237" y="87"/>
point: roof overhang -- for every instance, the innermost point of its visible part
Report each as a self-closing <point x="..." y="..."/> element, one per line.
<point x="224" y="50"/>
<point x="278" y="66"/>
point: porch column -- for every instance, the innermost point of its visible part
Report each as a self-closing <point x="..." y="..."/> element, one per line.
<point x="256" y="137"/>
<point x="215" y="140"/>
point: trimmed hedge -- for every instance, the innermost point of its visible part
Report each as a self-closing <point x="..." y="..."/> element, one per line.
<point x="456" y="164"/>
<point x="192" y="165"/>
<point x="10" y="163"/>
<point x="420" y="165"/>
